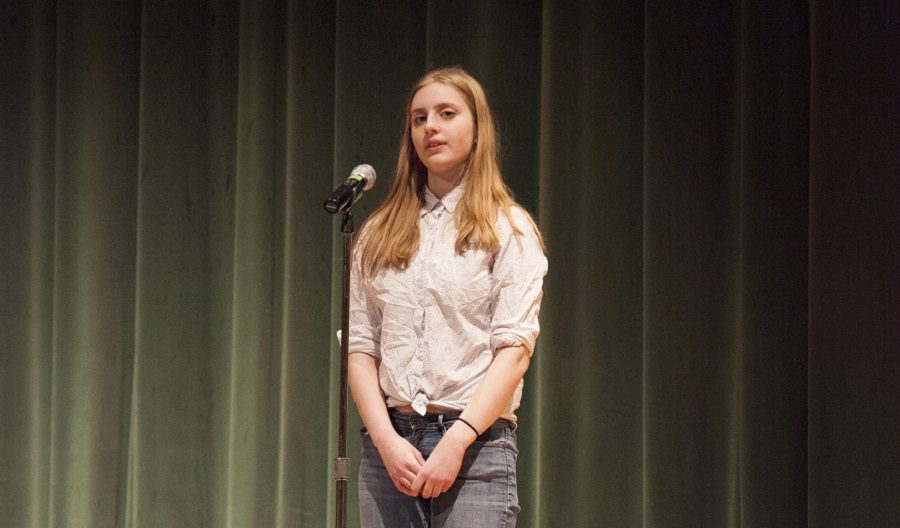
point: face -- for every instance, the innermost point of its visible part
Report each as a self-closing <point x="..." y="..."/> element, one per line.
<point x="442" y="129"/>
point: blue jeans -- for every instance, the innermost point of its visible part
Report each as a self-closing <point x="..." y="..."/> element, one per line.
<point x="484" y="494"/>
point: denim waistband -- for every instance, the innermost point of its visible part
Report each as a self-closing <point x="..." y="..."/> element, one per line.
<point x="413" y="417"/>
<point x="444" y="420"/>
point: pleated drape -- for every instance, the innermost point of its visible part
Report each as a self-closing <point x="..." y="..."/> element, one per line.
<point x="717" y="184"/>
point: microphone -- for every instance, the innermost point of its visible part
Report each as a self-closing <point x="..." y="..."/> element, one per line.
<point x="361" y="179"/>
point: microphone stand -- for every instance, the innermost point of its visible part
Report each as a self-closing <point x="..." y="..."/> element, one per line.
<point x="342" y="463"/>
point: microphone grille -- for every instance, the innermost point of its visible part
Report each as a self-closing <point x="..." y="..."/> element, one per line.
<point x="367" y="172"/>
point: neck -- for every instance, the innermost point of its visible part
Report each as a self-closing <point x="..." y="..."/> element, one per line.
<point x="441" y="184"/>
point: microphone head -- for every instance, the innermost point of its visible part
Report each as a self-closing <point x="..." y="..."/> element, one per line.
<point x="366" y="172"/>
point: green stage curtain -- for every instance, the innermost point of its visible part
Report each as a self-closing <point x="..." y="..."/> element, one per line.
<point x="718" y="183"/>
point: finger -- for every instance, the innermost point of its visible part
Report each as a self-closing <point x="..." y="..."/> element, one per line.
<point x="435" y="491"/>
<point x="416" y="487"/>
<point x="408" y="476"/>
<point x="402" y="487"/>
<point x="420" y="458"/>
<point x="438" y="488"/>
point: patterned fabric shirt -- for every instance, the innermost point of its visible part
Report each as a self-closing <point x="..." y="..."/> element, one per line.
<point x="436" y="325"/>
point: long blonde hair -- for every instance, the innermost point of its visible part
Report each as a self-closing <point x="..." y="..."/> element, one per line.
<point x="391" y="233"/>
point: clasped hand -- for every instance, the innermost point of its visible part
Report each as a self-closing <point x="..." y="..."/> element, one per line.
<point x="412" y="475"/>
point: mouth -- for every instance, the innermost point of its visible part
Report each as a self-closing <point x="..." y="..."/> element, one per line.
<point x="433" y="145"/>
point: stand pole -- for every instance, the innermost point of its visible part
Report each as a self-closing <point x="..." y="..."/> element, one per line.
<point x="342" y="463"/>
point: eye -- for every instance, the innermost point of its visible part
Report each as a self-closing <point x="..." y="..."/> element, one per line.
<point x="418" y="119"/>
<point x="448" y="114"/>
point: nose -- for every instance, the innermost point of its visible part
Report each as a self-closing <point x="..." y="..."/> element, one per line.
<point x="431" y="124"/>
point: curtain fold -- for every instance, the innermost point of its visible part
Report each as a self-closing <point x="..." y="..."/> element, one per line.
<point x="588" y="393"/>
<point x="691" y="338"/>
<point x="774" y="269"/>
<point x="854" y="256"/>
<point x="717" y="185"/>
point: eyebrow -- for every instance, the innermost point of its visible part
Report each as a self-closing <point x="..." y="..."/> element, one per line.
<point x="439" y="105"/>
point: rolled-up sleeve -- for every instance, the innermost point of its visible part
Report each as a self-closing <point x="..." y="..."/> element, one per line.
<point x="517" y="286"/>
<point x="365" y="317"/>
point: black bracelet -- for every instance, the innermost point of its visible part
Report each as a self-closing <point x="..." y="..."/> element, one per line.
<point x="472" y="427"/>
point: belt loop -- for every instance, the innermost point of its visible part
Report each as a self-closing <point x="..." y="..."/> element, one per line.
<point x="440" y="418"/>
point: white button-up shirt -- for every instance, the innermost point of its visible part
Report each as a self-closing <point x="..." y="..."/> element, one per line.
<point x="436" y="325"/>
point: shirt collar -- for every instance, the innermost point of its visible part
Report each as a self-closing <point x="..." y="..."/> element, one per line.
<point x="449" y="201"/>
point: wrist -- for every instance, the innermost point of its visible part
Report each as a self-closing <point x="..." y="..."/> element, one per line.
<point x="461" y="435"/>
<point x="383" y="435"/>
<point x="468" y="424"/>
